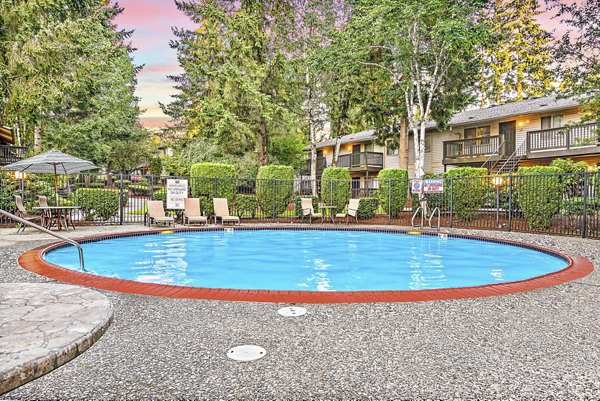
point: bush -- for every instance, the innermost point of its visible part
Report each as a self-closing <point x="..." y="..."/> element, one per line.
<point x="161" y="195"/>
<point x="7" y="187"/>
<point x="393" y="189"/>
<point x="246" y="204"/>
<point x="469" y="187"/>
<point x="94" y="202"/>
<point x="298" y="204"/>
<point x="335" y="186"/>
<point x="538" y="190"/>
<point x="367" y="207"/>
<point x="155" y="166"/>
<point x="96" y="185"/>
<point x="575" y="206"/>
<point x="274" y="188"/>
<point x="212" y="180"/>
<point x="139" y="190"/>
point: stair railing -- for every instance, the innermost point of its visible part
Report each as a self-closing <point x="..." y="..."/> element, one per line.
<point x="494" y="153"/>
<point x="52" y="233"/>
<point x="514" y="158"/>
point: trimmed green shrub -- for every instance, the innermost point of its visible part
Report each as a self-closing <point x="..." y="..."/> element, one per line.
<point x="538" y="190"/>
<point x="469" y="187"/>
<point x="367" y="207"/>
<point x="335" y="186"/>
<point x="274" y="188"/>
<point x="95" y="202"/>
<point x="139" y="189"/>
<point x="575" y="206"/>
<point x="246" y="205"/>
<point x="96" y="185"/>
<point x="298" y="204"/>
<point x="160" y="194"/>
<point x="212" y="180"/>
<point x="393" y="189"/>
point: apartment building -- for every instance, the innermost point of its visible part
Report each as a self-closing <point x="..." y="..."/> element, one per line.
<point x="500" y="138"/>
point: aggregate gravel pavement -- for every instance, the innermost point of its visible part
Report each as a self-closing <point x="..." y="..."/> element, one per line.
<point x="542" y="344"/>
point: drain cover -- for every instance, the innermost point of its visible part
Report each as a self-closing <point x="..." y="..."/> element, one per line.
<point x="291" y="311"/>
<point x="246" y="353"/>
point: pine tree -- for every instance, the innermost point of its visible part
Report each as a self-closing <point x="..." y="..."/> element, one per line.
<point x="516" y="65"/>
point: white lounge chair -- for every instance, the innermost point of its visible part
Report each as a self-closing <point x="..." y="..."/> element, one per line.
<point x="351" y="210"/>
<point x="191" y="212"/>
<point x="308" y="210"/>
<point x="222" y="212"/>
<point x="156" y="213"/>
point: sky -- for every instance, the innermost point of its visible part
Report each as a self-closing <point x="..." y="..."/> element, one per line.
<point x="152" y="22"/>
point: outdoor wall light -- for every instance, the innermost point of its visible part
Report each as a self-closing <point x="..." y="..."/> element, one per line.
<point x="20" y="175"/>
<point x="497" y="181"/>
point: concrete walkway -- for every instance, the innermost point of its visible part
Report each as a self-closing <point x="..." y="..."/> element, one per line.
<point x="43" y="326"/>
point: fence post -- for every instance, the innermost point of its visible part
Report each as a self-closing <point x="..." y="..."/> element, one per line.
<point x="451" y="205"/>
<point x="585" y="196"/>
<point x="510" y="200"/>
<point x="273" y="184"/>
<point x="390" y="201"/>
<point x="121" y="198"/>
<point x="151" y="186"/>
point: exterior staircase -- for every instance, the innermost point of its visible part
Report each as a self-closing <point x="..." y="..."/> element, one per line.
<point x="505" y="165"/>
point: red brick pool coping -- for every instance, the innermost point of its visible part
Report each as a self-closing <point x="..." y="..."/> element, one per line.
<point x="32" y="260"/>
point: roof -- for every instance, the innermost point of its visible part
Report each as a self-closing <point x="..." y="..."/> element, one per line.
<point x="534" y="105"/>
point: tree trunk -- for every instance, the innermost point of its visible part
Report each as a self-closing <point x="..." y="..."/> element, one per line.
<point x="419" y="141"/>
<point x="403" y="143"/>
<point x="37" y="139"/>
<point x="262" y="145"/>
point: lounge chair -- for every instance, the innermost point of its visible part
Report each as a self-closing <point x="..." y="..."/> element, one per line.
<point x="191" y="212"/>
<point x="351" y="210"/>
<point x="22" y="213"/>
<point x="156" y="213"/>
<point x="308" y="210"/>
<point x="222" y="212"/>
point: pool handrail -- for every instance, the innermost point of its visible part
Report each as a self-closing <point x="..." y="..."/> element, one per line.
<point x="412" y="221"/>
<point x="436" y="210"/>
<point x="52" y="233"/>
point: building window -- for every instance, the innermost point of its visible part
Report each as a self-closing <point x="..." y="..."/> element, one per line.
<point x="549" y="122"/>
<point x="477" y="132"/>
<point x="392" y="148"/>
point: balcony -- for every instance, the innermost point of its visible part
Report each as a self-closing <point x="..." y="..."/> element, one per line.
<point x="363" y="161"/>
<point x="10" y="154"/>
<point x="563" y="141"/>
<point x="321" y="164"/>
<point x="473" y="150"/>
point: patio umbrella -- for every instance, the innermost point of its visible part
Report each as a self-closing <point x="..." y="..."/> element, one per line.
<point x="51" y="162"/>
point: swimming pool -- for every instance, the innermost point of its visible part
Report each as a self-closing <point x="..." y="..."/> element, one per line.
<point x="309" y="260"/>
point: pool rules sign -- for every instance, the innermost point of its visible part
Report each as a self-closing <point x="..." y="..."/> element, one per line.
<point x="177" y="191"/>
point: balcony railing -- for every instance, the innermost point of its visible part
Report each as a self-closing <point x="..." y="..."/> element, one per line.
<point x="10" y="154"/>
<point x="563" y="138"/>
<point x="473" y="147"/>
<point x="361" y="160"/>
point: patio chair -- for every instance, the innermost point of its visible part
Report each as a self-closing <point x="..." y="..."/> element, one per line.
<point x="351" y="211"/>
<point x="22" y="213"/>
<point x="191" y="212"/>
<point x="46" y="214"/>
<point x="308" y="210"/>
<point x="222" y="212"/>
<point x="156" y="213"/>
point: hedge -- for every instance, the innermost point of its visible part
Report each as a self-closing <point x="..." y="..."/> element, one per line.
<point x="246" y="204"/>
<point x="469" y="188"/>
<point x="539" y="197"/>
<point x="367" y="207"/>
<point x="160" y="194"/>
<point x="274" y="189"/>
<point x="335" y="187"/>
<point x="575" y="206"/>
<point x="212" y="180"/>
<point x="298" y="204"/>
<point x="393" y="190"/>
<point x="95" y="202"/>
<point x="139" y="189"/>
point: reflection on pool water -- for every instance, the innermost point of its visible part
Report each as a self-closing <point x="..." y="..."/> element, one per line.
<point x="311" y="260"/>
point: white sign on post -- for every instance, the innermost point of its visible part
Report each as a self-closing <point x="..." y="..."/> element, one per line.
<point x="416" y="186"/>
<point x="177" y="191"/>
<point x="434" y="186"/>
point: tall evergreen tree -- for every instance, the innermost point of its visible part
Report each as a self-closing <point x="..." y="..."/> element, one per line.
<point x="516" y="65"/>
<point x="234" y="87"/>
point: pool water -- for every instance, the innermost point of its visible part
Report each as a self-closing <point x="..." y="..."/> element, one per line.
<point x="310" y="260"/>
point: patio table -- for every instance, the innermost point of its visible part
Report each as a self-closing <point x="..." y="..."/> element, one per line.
<point x="328" y="212"/>
<point x="62" y="215"/>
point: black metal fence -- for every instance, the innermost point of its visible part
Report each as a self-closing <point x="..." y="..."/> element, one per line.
<point x="567" y="204"/>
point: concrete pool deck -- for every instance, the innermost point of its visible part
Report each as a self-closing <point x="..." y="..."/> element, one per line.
<point x="537" y="344"/>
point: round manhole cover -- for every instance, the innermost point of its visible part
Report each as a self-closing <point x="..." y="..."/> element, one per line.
<point x="246" y="353"/>
<point x="292" y="311"/>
